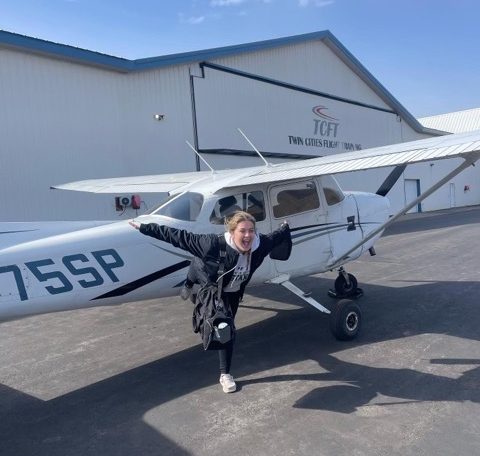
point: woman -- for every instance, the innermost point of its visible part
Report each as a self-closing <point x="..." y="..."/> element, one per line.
<point x="245" y="252"/>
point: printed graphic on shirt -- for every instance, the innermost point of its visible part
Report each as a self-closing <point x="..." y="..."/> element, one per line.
<point x="241" y="272"/>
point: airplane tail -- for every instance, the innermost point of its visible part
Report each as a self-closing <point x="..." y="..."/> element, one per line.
<point x="14" y="233"/>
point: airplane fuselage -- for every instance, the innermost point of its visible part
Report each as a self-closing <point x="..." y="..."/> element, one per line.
<point x="52" y="266"/>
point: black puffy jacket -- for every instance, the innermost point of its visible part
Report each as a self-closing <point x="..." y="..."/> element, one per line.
<point x="205" y="248"/>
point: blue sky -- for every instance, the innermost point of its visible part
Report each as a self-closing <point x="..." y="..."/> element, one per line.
<point x="425" y="52"/>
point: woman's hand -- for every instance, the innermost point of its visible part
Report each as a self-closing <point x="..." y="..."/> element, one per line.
<point x="135" y="224"/>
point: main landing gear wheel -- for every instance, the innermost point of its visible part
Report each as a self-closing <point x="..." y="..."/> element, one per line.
<point x="344" y="287"/>
<point x="345" y="320"/>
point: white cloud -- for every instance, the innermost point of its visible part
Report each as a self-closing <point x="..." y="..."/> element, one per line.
<point x="317" y="3"/>
<point x="226" y="2"/>
<point x="193" y="20"/>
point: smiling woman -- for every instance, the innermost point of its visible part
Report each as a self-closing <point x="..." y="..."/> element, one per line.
<point x="241" y="250"/>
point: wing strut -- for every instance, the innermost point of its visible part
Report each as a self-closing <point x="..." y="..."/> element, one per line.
<point x="391" y="180"/>
<point x="284" y="280"/>
<point x="468" y="162"/>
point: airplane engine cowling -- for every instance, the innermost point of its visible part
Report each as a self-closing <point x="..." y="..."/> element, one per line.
<point x="373" y="210"/>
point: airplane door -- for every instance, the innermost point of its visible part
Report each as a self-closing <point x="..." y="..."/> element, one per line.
<point x="300" y="205"/>
<point x="345" y="231"/>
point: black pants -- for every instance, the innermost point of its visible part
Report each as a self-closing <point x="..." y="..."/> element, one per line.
<point x="231" y="301"/>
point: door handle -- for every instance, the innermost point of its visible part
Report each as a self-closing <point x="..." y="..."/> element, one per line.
<point x="351" y="223"/>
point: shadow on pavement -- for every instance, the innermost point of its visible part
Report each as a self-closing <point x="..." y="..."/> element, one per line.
<point x="107" y="417"/>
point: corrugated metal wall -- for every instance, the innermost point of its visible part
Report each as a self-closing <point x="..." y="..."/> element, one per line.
<point x="63" y="122"/>
<point x="310" y="64"/>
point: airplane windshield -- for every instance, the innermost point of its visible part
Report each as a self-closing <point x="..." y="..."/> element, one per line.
<point x="185" y="207"/>
<point x="331" y="190"/>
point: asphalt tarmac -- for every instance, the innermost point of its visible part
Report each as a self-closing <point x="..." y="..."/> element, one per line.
<point x="133" y="379"/>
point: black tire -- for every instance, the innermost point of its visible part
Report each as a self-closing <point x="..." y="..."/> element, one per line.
<point x="341" y="287"/>
<point x="345" y="320"/>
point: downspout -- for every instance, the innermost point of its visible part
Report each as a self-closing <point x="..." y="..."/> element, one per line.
<point x="194" y="120"/>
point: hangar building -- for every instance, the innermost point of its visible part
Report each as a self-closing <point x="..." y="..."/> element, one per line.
<point x="454" y="122"/>
<point x="71" y="114"/>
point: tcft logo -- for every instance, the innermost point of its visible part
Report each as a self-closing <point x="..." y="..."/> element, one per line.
<point x="326" y="126"/>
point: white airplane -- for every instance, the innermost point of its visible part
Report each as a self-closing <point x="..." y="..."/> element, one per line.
<point x="54" y="266"/>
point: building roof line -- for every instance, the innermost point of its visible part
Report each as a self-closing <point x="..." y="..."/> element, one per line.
<point x="63" y="51"/>
<point x="86" y="57"/>
<point x="356" y="66"/>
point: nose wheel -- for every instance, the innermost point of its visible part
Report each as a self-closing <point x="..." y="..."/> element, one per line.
<point x="345" y="284"/>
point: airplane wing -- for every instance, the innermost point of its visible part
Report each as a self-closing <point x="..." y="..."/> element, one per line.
<point x="137" y="184"/>
<point x="440" y="147"/>
<point x="443" y="147"/>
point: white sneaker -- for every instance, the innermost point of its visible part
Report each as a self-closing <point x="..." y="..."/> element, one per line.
<point x="228" y="385"/>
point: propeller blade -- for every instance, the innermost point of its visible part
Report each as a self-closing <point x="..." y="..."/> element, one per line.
<point x="391" y="179"/>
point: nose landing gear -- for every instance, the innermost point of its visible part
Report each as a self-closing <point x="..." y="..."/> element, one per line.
<point x="345" y="283"/>
<point x="346" y="286"/>
<point x="346" y="317"/>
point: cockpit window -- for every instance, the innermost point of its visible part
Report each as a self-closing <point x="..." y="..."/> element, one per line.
<point x="186" y="207"/>
<point x="255" y="205"/>
<point x="225" y="207"/>
<point x="333" y="193"/>
<point x="294" y="198"/>
<point x="251" y="202"/>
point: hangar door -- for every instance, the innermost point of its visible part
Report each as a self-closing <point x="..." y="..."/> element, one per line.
<point x="412" y="191"/>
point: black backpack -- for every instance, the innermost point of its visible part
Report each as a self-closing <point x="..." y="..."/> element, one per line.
<point x="211" y="318"/>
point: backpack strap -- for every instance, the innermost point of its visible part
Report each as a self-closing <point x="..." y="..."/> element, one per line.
<point x="221" y="265"/>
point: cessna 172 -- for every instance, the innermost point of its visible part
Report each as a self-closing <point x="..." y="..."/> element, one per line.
<point x="53" y="266"/>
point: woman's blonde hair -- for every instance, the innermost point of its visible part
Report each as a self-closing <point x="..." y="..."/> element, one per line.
<point x="238" y="217"/>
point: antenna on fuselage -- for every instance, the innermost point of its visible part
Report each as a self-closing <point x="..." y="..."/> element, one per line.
<point x="254" y="148"/>
<point x="201" y="158"/>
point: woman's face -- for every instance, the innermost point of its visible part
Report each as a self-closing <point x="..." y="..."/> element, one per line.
<point x="243" y="235"/>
